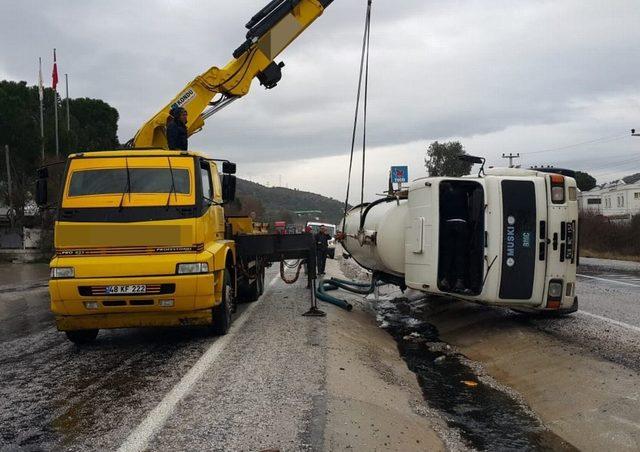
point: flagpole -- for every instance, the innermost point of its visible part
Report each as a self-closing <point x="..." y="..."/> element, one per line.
<point x="55" y="109"/>
<point x="55" y="101"/>
<point x="41" y="97"/>
<point x="66" y="80"/>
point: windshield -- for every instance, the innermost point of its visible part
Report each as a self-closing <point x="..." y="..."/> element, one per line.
<point x="114" y="180"/>
<point x="125" y="182"/>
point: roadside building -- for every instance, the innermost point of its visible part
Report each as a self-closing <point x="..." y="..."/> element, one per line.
<point x="617" y="200"/>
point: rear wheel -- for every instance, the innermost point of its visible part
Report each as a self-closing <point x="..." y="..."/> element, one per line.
<point x="260" y="282"/>
<point x="222" y="312"/>
<point x="253" y="290"/>
<point x="82" y="336"/>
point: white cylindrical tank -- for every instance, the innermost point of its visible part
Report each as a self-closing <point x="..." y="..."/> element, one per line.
<point x="381" y="244"/>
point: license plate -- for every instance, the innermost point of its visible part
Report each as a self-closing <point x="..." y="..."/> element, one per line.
<point x="570" y="234"/>
<point x="130" y="289"/>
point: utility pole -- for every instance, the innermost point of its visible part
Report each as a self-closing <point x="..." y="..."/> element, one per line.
<point x="41" y="96"/>
<point x="66" y="80"/>
<point x="6" y="154"/>
<point x="511" y="157"/>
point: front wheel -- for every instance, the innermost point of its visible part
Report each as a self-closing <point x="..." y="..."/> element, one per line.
<point x="222" y="312"/>
<point x="80" y="337"/>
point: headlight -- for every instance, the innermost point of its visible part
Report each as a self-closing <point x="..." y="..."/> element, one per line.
<point x="557" y="194"/>
<point x="555" y="289"/>
<point x="557" y="188"/>
<point x="62" y="272"/>
<point x="192" y="268"/>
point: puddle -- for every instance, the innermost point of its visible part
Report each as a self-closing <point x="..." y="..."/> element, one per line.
<point x="487" y="418"/>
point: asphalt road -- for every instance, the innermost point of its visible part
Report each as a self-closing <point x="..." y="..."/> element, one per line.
<point x="182" y="388"/>
<point x="124" y="390"/>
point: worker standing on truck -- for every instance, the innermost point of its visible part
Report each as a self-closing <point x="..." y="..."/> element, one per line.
<point x="322" y="246"/>
<point x="454" y="212"/>
<point x="177" y="136"/>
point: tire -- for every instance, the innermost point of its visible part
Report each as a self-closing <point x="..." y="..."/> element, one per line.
<point x="221" y="314"/>
<point x="256" y="288"/>
<point x="261" y="281"/>
<point x="81" y="337"/>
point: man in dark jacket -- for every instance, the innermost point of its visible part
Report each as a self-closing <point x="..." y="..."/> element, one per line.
<point x="322" y="246"/>
<point x="177" y="136"/>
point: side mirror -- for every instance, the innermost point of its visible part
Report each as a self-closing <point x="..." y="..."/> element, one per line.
<point x="471" y="158"/>
<point x="228" y="188"/>
<point x="228" y="168"/>
<point x="41" y="192"/>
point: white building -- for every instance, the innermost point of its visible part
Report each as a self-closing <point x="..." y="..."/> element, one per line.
<point x="618" y="200"/>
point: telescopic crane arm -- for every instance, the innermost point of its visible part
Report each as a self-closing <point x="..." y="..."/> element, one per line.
<point x="271" y="30"/>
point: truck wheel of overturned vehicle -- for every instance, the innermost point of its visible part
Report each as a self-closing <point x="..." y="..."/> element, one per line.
<point x="222" y="312"/>
<point x="82" y="336"/>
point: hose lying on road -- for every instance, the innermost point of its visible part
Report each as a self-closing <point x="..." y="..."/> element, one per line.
<point x="327" y="285"/>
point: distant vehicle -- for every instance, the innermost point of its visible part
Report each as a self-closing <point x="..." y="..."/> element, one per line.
<point x="331" y="230"/>
<point x="280" y="227"/>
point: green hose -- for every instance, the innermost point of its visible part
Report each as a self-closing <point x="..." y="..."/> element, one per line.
<point x="322" y="295"/>
<point x="327" y="285"/>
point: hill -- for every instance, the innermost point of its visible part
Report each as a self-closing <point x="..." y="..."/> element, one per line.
<point x="279" y="203"/>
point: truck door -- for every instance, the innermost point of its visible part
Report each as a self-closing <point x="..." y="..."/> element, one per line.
<point x="211" y="196"/>
<point x="523" y="253"/>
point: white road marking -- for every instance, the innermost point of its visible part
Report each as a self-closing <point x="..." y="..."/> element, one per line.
<point x="139" y="439"/>
<point x="609" y="280"/>
<point x="608" y="320"/>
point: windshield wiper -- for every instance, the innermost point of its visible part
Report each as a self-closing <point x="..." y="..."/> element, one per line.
<point x="127" y="188"/>
<point x="173" y="185"/>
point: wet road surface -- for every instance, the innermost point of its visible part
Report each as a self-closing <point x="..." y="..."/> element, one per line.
<point x="56" y="395"/>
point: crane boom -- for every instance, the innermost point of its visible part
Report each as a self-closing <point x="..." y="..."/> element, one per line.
<point x="270" y="31"/>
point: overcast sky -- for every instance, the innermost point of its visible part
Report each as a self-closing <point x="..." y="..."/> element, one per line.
<point x="534" y="77"/>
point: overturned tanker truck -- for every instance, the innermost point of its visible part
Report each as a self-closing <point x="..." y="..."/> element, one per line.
<point x="507" y="237"/>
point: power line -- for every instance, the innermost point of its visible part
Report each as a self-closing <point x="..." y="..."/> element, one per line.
<point x="601" y="140"/>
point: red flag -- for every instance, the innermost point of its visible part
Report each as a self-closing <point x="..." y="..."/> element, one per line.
<point x="54" y="75"/>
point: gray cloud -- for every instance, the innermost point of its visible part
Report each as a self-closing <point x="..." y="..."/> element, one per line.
<point x="476" y="71"/>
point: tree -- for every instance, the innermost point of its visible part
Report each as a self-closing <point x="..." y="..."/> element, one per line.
<point x="585" y="181"/>
<point x="94" y="126"/>
<point x="442" y="159"/>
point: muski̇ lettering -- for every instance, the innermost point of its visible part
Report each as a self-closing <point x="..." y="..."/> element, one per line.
<point x="511" y="241"/>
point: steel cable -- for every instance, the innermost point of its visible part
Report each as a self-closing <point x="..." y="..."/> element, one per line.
<point x="365" y="42"/>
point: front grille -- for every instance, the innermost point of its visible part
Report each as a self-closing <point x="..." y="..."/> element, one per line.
<point x="152" y="289"/>
<point x="128" y="250"/>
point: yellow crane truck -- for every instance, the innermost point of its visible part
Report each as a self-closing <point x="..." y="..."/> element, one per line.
<point x="141" y="237"/>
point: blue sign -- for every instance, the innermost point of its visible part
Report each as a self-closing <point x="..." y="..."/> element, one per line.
<point x="399" y="174"/>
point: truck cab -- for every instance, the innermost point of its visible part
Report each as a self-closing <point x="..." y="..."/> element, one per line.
<point x="519" y="242"/>
<point x="140" y="241"/>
